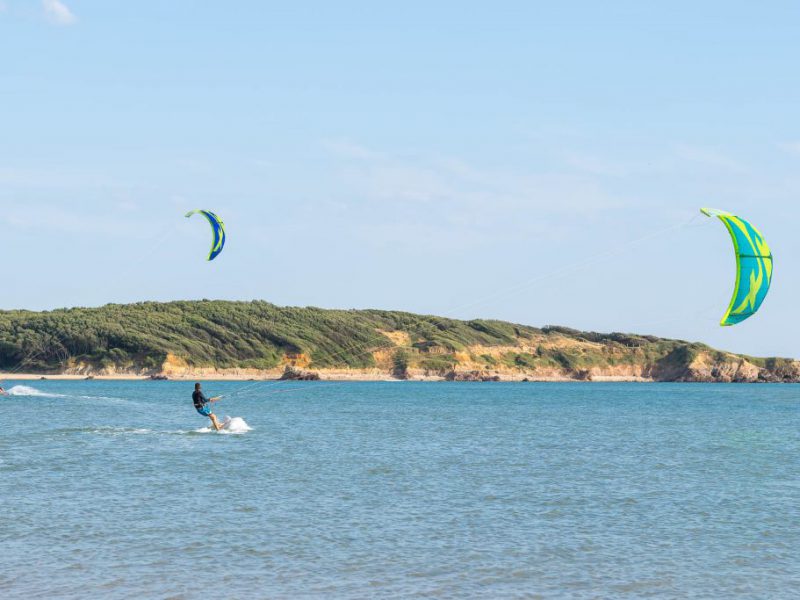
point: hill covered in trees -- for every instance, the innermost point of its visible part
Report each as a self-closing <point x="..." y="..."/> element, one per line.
<point x="253" y="339"/>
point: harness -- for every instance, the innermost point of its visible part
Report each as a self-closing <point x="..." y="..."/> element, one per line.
<point x="197" y="398"/>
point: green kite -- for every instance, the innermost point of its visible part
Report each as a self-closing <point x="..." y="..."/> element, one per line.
<point x="753" y="267"/>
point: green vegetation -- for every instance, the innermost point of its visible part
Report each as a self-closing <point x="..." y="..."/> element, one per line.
<point x="400" y="364"/>
<point x="224" y="335"/>
<point x="437" y="364"/>
<point x="260" y="335"/>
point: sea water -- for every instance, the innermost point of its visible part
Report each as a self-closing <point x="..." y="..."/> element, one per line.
<point x="400" y="490"/>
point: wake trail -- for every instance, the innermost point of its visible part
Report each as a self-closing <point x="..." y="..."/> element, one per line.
<point x="24" y="390"/>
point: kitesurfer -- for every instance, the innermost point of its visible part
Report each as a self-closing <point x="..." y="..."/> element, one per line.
<point x="3" y="392"/>
<point x="203" y="405"/>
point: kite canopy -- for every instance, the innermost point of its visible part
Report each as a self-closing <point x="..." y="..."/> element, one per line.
<point x="753" y="267"/>
<point x="217" y="227"/>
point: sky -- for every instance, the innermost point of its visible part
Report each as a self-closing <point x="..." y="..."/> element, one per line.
<point x="539" y="162"/>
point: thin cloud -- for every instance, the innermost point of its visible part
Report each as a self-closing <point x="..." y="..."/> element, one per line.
<point x="709" y="157"/>
<point x="455" y="184"/>
<point x="597" y="166"/>
<point x="58" y="13"/>
<point x="791" y="147"/>
<point x="50" y="218"/>
<point x="344" y="148"/>
<point x="441" y="203"/>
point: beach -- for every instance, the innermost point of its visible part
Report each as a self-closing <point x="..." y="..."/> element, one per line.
<point x="275" y="375"/>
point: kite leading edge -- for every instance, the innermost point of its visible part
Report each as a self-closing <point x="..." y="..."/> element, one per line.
<point x="753" y="267"/>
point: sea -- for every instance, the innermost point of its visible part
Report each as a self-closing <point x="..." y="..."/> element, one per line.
<point x="400" y="490"/>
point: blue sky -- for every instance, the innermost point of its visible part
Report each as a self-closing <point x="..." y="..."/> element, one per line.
<point x="470" y="159"/>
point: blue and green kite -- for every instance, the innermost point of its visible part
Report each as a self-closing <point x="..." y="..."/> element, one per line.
<point x="753" y="267"/>
<point x="218" y="229"/>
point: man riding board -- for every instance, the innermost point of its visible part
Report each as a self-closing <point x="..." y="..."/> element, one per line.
<point x="203" y="405"/>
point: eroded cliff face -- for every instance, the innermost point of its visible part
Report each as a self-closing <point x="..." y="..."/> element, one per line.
<point x="550" y="357"/>
<point x="733" y="369"/>
<point x="555" y="358"/>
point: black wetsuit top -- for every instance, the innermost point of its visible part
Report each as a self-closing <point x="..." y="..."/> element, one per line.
<point x="199" y="399"/>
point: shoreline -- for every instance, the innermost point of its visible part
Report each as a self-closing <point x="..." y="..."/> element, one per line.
<point x="335" y="376"/>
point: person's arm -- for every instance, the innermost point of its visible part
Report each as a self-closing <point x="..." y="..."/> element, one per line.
<point x="215" y="399"/>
